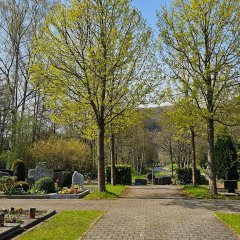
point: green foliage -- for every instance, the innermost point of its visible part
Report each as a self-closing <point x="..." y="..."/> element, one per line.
<point x="61" y="153"/>
<point x="123" y="174"/>
<point x="226" y="158"/>
<point x="7" y="184"/>
<point x="112" y="192"/>
<point x="203" y="192"/>
<point x="45" y="184"/>
<point x="184" y="176"/>
<point x="231" y="219"/>
<point x="58" y="226"/>
<point x="18" y="168"/>
<point x="21" y="185"/>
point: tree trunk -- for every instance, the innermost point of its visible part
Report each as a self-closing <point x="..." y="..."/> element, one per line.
<point x="100" y="157"/>
<point x="113" y="162"/>
<point x="171" y="156"/>
<point x="194" y="168"/>
<point x="211" y="163"/>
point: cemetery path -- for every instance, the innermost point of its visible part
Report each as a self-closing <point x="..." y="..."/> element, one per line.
<point x="147" y="212"/>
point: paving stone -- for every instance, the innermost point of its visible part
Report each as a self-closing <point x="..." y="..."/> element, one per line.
<point x="147" y="212"/>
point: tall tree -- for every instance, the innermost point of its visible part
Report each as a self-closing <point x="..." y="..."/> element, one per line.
<point x="201" y="38"/>
<point x="90" y="64"/>
<point x="19" y="20"/>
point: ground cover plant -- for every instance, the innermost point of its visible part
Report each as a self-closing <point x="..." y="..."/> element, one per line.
<point x="231" y="219"/>
<point x="112" y="192"/>
<point x="58" y="227"/>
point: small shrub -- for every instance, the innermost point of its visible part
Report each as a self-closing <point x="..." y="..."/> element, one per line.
<point x="45" y="184"/>
<point x="7" y="184"/>
<point x="123" y="174"/>
<point x="18" y="168"/>
<point x="21" y="185"/>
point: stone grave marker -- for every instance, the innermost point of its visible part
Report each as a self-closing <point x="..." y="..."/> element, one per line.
<point x="77" y="179"/>
<point x="40" y="171"/>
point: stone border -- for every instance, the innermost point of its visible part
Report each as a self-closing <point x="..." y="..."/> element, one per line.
<point x="48" y="196"/>
<point x="68" y="196"/>
<point x="19" y="228"/>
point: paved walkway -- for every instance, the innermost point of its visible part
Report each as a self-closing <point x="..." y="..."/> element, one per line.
<point x="148" y="212"/>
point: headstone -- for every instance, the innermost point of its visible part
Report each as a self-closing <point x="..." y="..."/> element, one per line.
<point x="40" y="171"/>
<point x="77" y="179"/>
<point x="164" y="180"/>
<point x="30" y="181"/>
<point x="140" y="181"/>
<point x="2" y="174"/>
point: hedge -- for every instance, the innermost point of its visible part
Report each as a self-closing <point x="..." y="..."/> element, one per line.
<point x="184" y="176"/>
<point x="123" y="174"/>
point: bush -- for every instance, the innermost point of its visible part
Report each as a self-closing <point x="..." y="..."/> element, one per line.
<point x="184" y="176"/>
<point x="45" y="184"/>
<point x="18" y="168"/>
<point x="123" y="174"/>
<point x="60" y="153"/>
<point x="7" y="184"/>
<point x="21" y="185"/>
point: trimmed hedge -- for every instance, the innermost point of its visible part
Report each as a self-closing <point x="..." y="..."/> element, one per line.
<point x="18" y="168"/>
<point x="123" y="174"/>
<point x="45" y="184"/>
<point x="184" y="176"/>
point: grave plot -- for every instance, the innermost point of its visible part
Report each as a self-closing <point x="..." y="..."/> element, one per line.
<point x="15" y="221"/>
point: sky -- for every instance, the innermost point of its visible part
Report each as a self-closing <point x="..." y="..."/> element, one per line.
<point x="149" y="9"/>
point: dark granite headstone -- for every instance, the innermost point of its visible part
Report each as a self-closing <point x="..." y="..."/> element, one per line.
<point x="164" y="180"/>
<point x="231" y="185"/>
<point x="140" y="181"/>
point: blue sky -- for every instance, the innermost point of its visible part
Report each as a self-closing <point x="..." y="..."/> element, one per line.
<point x="149" y="9"/>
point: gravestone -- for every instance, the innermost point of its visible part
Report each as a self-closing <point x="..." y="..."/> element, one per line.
<point x="40" y="171"/>
<point x="2" y="174"/>
<point x="77" y="179"/>
<point x="30" y="181"/>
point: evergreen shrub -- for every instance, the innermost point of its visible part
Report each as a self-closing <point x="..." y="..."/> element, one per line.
<point x="123" y="174"/>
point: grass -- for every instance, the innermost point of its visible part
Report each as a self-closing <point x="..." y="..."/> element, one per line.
<point x="231" y="219"/>
<point x="156" y="174"/>
<point x="202" y="191"/>
<point x="67" y="225"/>
<point x="112" y="192"/>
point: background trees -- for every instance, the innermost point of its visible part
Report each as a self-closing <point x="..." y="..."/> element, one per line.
<point x="200" y="45"/>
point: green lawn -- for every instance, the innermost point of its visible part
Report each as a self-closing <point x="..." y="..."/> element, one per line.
<point x="158" y="174"/>
<point x="112" y="192"/>
<point x="67" y="225"/>
<point x="231" y="219"/>
<point x="203" y="192"/>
